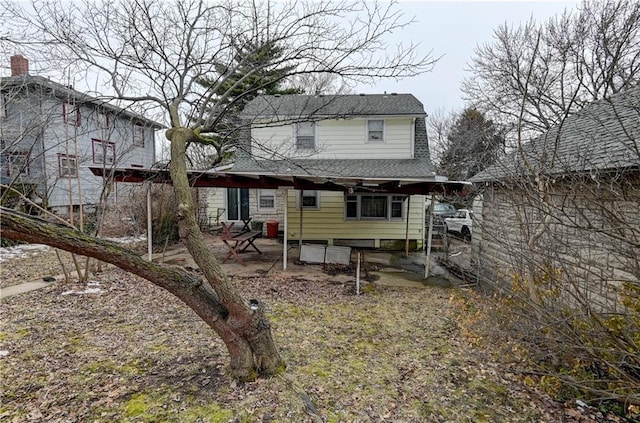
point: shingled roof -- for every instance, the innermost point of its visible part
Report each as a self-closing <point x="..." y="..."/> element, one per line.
<point x="66" y="93"/>
<point x="288" y="106"/>
<point x="340" y="168"/>
<point x="604" y="135"/>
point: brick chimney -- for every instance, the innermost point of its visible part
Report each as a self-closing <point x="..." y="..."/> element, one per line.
<point x="19" y="65"/>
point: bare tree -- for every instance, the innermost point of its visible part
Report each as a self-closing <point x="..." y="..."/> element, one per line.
<point x="559" y="232"/>
<point x="153" y="54"/>
<point x="553" y="69"/>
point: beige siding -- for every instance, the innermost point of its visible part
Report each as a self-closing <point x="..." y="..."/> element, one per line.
<point x="344" y="139"/>
<point x="215" y="203"/>
<point x="328" y="223"/>
<point x="589" y="241"/>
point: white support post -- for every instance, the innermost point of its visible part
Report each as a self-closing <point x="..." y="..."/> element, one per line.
<point x="427" y="260"/>
<point x="358" y="276"/>
<point x="286" y="229"/>
<point x="149" y="225"/>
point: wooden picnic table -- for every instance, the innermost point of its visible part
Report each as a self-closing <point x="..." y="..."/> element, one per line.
<point x="238" y="242"/>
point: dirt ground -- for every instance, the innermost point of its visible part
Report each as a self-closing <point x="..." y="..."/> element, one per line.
<point x="120" y="349"/>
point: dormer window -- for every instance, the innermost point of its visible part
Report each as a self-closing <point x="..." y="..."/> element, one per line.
<point x="375" y="130"/>
<point x="306" y="135"/>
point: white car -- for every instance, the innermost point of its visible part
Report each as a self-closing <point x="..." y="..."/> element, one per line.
<point x="461" y="222"/>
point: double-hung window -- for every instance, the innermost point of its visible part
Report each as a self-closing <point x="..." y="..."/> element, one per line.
<point x="104" y="152"/>
<point x="17" y="164"/>
<point x="267" y="199"/>
<point x="375" y="130"/>
<point x="306" y="135"/>
<point x="374" y="207"/>
<point x="71" y="114"/>
<point x="103" y="120"/>
<point x="310" y="199"/>
<point x="138" y="135"/>
<point x="67" y="166"/>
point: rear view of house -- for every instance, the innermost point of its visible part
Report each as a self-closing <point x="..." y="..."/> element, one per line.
<point x="51" y="134"/>
<point x="368" y="148"/>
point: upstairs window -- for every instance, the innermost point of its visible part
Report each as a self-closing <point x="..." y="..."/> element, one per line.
<point x="306" y="135"/>
<point x="375" y="130"/>
<point x="67" y="166"/>
<point x="17" y="164"/>
<point x="138" y="135"/>
<point x="267" y="199"/>
<point x="103" y="120"/>
<point x="374" y="207"/>
<point x="71" y="114"/>
<point x="104" y="152"/>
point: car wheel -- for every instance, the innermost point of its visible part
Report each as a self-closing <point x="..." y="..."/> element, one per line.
<point x="466" y="234"/>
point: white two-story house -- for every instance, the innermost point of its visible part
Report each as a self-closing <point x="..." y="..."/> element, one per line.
<point x="51" y="134"/>
<point x="364" y="146"/>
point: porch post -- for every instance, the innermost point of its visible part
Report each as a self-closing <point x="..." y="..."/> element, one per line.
<point x="427" y="259"/>
<point x="286" y="225"/>
<point x="149" y="229"/>
<point x="406" y="230"/>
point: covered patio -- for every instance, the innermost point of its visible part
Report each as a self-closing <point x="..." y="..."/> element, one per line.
<point x="300" y="182"/>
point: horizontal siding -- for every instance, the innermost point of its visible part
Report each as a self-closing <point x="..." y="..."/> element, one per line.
<point x="344" y="139"/>
<point x="216" y="200"/>
<point x="328" y="222"/>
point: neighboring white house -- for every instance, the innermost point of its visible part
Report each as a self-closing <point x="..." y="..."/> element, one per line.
<point x="51" y="134"/>
<point x="378" y="140"/>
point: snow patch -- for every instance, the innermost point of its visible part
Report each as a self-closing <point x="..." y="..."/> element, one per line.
<point x="21" y="251"/>
<point x="93" y="287"/>
<point x="31" y="250"/>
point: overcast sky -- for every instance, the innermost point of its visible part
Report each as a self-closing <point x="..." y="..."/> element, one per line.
<point x="454" y="29"/>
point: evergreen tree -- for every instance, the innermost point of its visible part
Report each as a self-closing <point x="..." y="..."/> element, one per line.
<point x="472" y="144"/>
<point x="255" y="69"/>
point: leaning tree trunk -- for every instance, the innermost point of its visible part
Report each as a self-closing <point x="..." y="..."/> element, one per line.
<point x="249" y="340"/>
<point x="243" y="327"/>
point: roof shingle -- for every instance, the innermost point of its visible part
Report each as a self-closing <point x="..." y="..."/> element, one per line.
<point x="604" y="135"/>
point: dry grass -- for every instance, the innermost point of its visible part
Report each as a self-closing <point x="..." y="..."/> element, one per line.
<point x="135" y="353"/>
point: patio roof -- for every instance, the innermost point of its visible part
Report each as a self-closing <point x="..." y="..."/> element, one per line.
<point x="203" y="179"/>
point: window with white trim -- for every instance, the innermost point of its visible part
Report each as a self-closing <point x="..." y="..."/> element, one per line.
<point x="71" y="114"/>
<point x="138" y="135"/>
<point x="17" y="164"/>
<point x="67" y="166"/>
<point x="104" y="152"/>
<point x="374" y="207"/>
<point x="375" y="130"/>
<point x="310" y="199"/>
<point x="306" y="135"/>
<point x="266" y="199"/>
